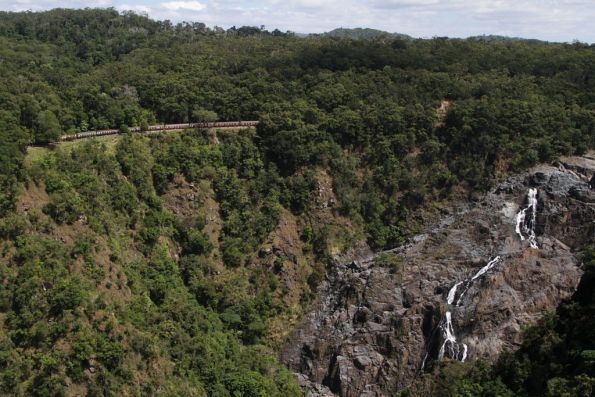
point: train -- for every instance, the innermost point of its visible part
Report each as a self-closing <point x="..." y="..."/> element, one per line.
<point x="161" y="127"/>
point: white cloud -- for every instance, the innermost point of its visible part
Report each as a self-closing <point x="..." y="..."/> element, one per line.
<point x="139" y="8"/>
<point x="183" y="5"/>
<point x="391" y="4"/>
<point x="554" y="20"/>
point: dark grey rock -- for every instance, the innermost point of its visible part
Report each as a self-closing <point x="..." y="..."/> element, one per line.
<point x="370" y="329"/>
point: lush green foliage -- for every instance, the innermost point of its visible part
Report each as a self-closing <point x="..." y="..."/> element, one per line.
<point x="364" y="109"/>
<point x="75" y="315"/>
<point x="112" y="288"/>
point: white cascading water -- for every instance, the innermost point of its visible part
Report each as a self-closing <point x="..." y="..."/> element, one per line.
<point x="452" y="293"/>
<point x="450" y="346"/>
<point x="450" y="343"/>
<point x="526" y="226"/>
<point x="480" y="273"/>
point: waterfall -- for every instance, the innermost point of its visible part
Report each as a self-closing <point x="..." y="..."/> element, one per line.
<point x="452" y="293"/>
<point x="485" y="269"/>
<point x="450" y="343"/>
<point x="450" y="347"/>
<point x="525" y="228"/>
<point x="526" y="225"/>
<point x="480" y="273"/>
<point x="450" y="340"/>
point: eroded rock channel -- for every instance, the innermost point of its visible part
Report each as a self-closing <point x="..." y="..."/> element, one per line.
<point x="463" y="289"/>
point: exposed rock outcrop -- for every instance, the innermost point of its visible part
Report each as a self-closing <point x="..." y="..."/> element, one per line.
<point x="373" y="326"/>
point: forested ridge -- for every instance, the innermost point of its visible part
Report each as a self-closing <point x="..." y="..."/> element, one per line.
<point x="110" y="286"/>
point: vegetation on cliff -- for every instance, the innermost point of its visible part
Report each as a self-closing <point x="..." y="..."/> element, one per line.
<point x="109" y="286"/>
<point x="557" y="357"/>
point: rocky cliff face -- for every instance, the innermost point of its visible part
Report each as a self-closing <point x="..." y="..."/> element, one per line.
<point x="375" y="327"/>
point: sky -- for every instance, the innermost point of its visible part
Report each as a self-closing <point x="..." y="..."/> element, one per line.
<point x="552" y="20"/>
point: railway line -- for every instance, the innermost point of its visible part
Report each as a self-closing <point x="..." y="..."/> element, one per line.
<point x="159" y="127"/>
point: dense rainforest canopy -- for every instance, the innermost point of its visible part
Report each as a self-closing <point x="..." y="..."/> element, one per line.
<point x="111" y="289"/>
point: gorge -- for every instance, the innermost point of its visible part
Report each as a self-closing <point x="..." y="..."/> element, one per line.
<point x="374" y="329"/>
<point x="450" y="347"/>
<point x="375" y="222"/>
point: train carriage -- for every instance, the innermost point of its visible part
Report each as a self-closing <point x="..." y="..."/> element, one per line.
<point x="161" y="127"/>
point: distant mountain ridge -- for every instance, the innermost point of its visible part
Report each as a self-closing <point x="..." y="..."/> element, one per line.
<point x="494" y="38"/>
<point x="364" y="34"/>
<point x="371" y="34"/>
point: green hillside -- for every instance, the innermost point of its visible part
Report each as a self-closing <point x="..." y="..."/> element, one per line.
<point x="176" y="264"/>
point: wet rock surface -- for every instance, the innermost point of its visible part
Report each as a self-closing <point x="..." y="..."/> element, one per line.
<point x="373" y="325"/>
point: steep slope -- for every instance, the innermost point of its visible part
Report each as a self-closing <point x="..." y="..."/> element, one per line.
<point x="176" y="264"/>
<point x="378" y="319"/>
<point x="116" y="279"/>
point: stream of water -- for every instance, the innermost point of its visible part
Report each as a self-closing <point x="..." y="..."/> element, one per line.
<point x="450" y="347"/>
<point x="525" y="228"/>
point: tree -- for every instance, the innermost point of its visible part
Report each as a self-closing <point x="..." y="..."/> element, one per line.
<point x="144" y="125"/>
<point x="201" y="115"/>
<point x="47" y="127"/>
<point x="12" y="151"/>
